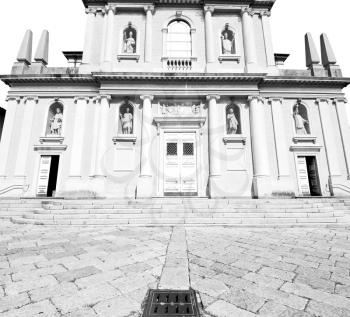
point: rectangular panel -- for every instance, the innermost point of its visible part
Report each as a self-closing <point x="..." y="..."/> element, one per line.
<point x="303" y="178"/>
<point x="236" y="160"/>
<point x="44" y="173"/>
<point x="124" y="159"/>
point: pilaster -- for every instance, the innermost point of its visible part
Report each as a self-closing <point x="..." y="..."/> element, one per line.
<point x="148" y="37"/>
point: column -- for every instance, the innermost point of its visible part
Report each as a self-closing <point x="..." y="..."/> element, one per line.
<point x="260" y="151"/>
<point x="279" y="127"/>
<point x="193" y="42"/>
<point x="78" y="137"/>
<point x="165" y="34"/>
<point x="7" y="131"/>
<point x="214" y="136"/>
<point x="328" y="138"/>
<point x="28" y="107"/>
<point x="101" y="147"/>
<point x="340" y="106"/>
<point x="95" y="125"/>
<point x="208" y="11"/>
<point x="109" y="34"/>
<point x="145" y="183"/>
<point x="250" y="53"/>
<point x="270" y="54"/>
<point x="89" y="36"/>
<point x="148" y="36"/>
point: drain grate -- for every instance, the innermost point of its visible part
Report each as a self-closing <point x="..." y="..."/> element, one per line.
<point x="171" y="303"/>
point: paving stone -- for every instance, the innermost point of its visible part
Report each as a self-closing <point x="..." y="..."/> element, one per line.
<point x="43" y="309"/>
<point x="12" y="302"/>
<point x="29" y="284"/>
<point x="120" y="306"/>
<point x="211" y="287"/>
<point x="62" y="289"/>
<point x="265" y="281"/>
<point x="72" y="275"/>
<point x="320" y="309"/>
<point x="83" y="312"/>
<point x="276" y="273"/>
<point x="224" y="309"/>
<point x="343" y="290"/>
<point x="275" y="309"/>
<point x="99" y="278"/>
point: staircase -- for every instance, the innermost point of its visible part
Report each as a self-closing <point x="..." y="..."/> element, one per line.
<point x="177" y="211"/>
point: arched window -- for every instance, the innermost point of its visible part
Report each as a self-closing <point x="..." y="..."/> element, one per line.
<point x="179" y="43"/>
<point x="301" y="119"/>
<point x="55" y="119"/>
<point x="129" y="39"/>
<point x="233" y="119"/>
<point x="228" y="41"/>
<point x="126" y="118"/>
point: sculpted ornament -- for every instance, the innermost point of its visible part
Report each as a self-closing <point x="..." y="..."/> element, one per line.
<point x="300" y="122"/>
<point x="56" y="122"/>
<point x="184" y="108"/>
<point x="126" y="120"/>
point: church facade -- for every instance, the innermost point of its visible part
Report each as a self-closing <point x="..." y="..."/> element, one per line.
<point x="175" y="98"/>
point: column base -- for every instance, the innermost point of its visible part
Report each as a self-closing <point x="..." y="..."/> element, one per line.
<point x="215" y="190"/>
<point x="145" y="187"/>
<point x="261" y="187"/>
<point x="97" y="186"/>
<point x="284" y="187"/>
<point x="253" y="68"/>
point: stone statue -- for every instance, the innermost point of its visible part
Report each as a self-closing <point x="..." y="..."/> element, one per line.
<point x="56" y="122"/>
<point x="300" y="122"/>
<point x="232" y="122"/>
<point x="227" y="44"/>
<point x="129" y="43"/>
<point x="127" y="122"/>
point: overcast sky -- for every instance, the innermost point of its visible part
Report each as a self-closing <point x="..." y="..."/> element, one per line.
<point x="65" y="20"/>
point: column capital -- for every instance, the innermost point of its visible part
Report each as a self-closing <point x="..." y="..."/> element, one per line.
<point x="210" y="97"/>
<point x="34" y="98"/>
<point x="17" y="98"/>
<point x="144" y="97"/>
<point x="150" y="8"/>
<point x="101" y="11"/>
<point x="319" y="100"/>
<point x="108" y="97"/>
<point x="342" y="99"/>
<point x="248" y="11"/>
<point x="86" y="98"/>
<point x="91" y="11"/>
<point x="210" y="9"/>
<point x="109" y="8"/>
<point x="265" y="14"/>
<point x="258" y="98"/>
<point x="277" y="99"/>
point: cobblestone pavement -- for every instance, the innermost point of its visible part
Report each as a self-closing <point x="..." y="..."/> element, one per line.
<point x="104" y="271"/>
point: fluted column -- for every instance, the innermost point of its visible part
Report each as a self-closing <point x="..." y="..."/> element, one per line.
<point x="109" y="35"/>
<point x="270" y="54"/>
<point x="145" y="182"/>
<point x="101" y="147"/>
<point x="260" y="152"/>
<point x="329" y="138"/>
<point x="148" y="37"/>
<point x="7" y="132"/>
<point x="250" y="52"/>
<point x="340" y="106"/>
<point x="214" y="136"/>
<point x="89" y="36"/>
<point x="279" y="127"/>
<point x="78" y="136"/>
<point x="28" y="107"/>
<point x="208" y="11"/>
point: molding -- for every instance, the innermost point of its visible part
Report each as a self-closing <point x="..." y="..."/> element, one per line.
<point x="235" y="138"/>
<point x="86" y="98"/>
<point x="57" y="148"/>
<point x="306" y="148"/>
<point x="229" y="57"/>
<point x="34" y="98"/>
<point x="305" y="139"/>
<point x="17" y="98"/>
<point x="213" y="96"/>
<point x="128" y="57"/>
<point x="124" y="138"/>
<point x="144" y="97"/>
<point x="179" y="122"/>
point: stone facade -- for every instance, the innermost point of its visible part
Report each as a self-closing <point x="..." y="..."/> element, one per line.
<point x="175" y="99"/>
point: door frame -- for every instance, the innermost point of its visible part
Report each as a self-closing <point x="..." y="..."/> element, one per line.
<point x="198" y="137"/>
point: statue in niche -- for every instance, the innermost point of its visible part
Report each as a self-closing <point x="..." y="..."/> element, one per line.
<point x="232" y="122"/>
<point x="300" y="122"/>
<point x="129" y="36"/>
<point x="228" y="46"/>
<point x="56" y="122"/>
<point x="126" y="119"/>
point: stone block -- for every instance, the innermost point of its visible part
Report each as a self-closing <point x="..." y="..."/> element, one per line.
<point x="71" y="276"/>
<point x="224" y="309"/>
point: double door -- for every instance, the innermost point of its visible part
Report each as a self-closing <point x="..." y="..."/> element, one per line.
<point x="180" y="164"/>
<point x="308" y="178"/>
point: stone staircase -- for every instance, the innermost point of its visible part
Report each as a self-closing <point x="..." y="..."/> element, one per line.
<point x="179" y="211"/>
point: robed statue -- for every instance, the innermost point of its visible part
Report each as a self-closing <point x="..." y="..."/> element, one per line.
<point x="300" y="122"/>
<point x="127" y="121"/>
<point x="56" y="122"/>
<point x="129" y="41"/>
<point x="232" y="122"/>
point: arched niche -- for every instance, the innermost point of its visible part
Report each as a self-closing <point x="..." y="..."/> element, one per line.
<point x="130" y="39"/>
<point x="2" y="120"/>
<point x="301" y="119"/>
<point x="228" y="41"/>
<point x="126" y="119"/>
<point x="233" y="119"/>
<point x="55" y="119"/>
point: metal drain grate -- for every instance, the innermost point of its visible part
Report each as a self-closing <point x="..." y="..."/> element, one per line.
<point x="171" y="303"/>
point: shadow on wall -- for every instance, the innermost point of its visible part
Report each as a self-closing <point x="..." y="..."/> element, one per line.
<point x="2" y="120"/>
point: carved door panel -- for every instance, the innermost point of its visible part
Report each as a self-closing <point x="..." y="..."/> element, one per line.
<point x="303" y="177"/>
<point x="180" y="168"/>
<point x="44" y="173"/>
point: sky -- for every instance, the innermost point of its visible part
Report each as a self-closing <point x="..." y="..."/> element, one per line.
<point x="65" y="20"/>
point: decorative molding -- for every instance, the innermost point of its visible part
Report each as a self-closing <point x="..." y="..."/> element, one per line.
<point x="257" y="97"/>
<point x="319" y="100"/>
<point x="128" y="57"/>
<point x="34" y="98"/>
<point x="265" y="13"/>
<point x="306" y="148"/>
<point x="235" y="138"/>
<point x="229" y="57"/>
<point x="179" y="122"/>
<point x="272" y="99"/>
<point x="124" y="138"/>
<point x="17" y="98"/>
<point x="51" y="139"/>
